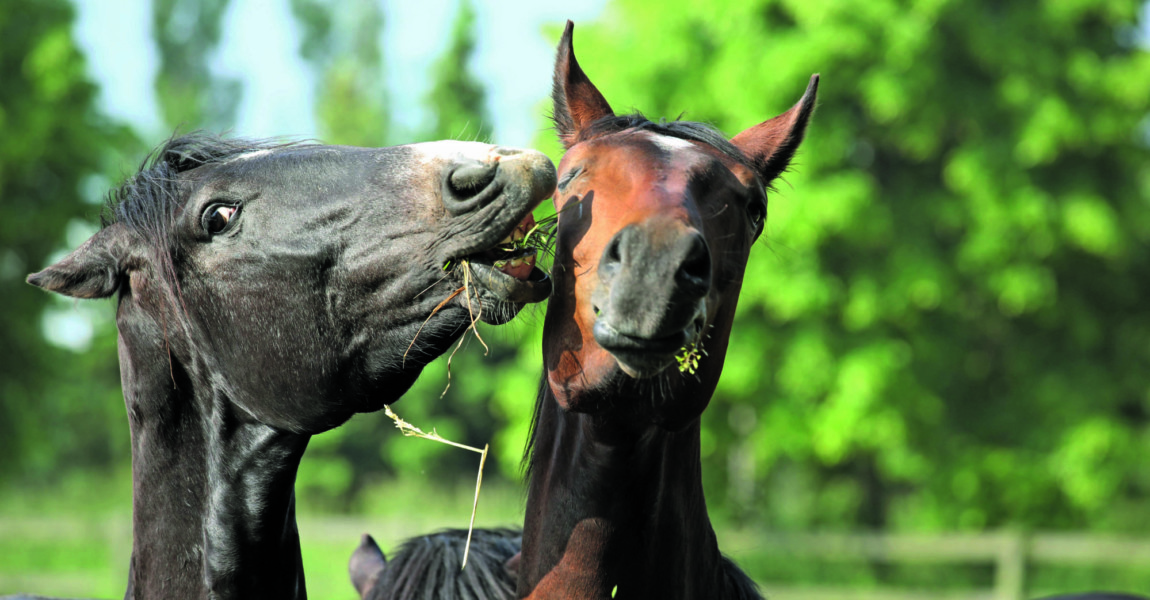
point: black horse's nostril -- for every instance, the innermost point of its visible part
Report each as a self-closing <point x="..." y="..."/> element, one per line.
<point x="465" y="184"/>
<point x="694" y="274"/>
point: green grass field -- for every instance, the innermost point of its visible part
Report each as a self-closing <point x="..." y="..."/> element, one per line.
<point x="75" y="540"/>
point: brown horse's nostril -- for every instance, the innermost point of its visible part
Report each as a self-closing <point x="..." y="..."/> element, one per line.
<point x="463" y="190"/>
<point x="612" y="259"/>
<point x="694" y="274"/>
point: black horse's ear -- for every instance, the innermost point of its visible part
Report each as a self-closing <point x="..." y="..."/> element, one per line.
<point x="91" y="271"/>
<point x="576" y="101"/>
<point x="366" y="565"/>
<point x="771" y="144"/>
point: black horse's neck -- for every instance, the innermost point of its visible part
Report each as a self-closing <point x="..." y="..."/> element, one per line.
<point x="609" y="509"/>
<point x="213" y="492"/>
<point x="251" y="543"/>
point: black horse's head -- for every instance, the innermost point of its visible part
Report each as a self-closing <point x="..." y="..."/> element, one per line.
<point x="305" y="283"/>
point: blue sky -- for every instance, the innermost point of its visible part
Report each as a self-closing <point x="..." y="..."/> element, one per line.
<point x="260" y="47"/>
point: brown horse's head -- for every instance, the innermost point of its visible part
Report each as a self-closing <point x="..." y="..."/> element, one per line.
<point x="656" y="225"/>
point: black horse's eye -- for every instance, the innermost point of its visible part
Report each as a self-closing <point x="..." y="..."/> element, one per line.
<point x="218" y="217"/>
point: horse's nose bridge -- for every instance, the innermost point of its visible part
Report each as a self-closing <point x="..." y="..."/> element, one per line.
<point x="659" y="262"/>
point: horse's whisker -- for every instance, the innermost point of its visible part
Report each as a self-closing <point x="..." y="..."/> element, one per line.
<point x="431" y="286"/>
<point x="437" y="307"/>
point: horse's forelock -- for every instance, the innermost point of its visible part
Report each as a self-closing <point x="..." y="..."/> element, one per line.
<point x="686" y="130"/>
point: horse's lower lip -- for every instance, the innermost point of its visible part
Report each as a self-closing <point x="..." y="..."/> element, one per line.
<point x="639" y="357"/>
<point x="535" y="288"/>
<point x="613" y="340"/>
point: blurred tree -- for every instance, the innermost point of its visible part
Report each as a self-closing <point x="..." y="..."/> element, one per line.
<point x="190" y="96"/>
<point x="457" y="97"/>
<point x="341" y="42"/>
<point x="947" y="324"/>
<point x="59" y="412"/>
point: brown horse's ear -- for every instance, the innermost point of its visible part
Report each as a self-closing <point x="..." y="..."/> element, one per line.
<point x="91" y="271"/>
<point x="771" y="144"/>
<point x="576" y="101"/>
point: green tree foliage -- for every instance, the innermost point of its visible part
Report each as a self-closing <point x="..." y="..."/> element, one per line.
<point x="341" y="43"/>
<point x="457" y="98"/>
<point x="946" y="324"/>
<point x="56" y="407"/>
<point x="190" y="96"/>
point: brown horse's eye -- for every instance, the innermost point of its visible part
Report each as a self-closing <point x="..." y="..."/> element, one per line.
<point x="218" y="217"/>
<point x="757" y="212"/>
<point x="566" y="178"/>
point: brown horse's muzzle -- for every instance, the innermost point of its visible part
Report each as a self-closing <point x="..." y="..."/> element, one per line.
<point x="654" y="277"/>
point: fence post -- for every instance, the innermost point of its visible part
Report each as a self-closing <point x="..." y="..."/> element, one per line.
<point x="1010" y="567"/>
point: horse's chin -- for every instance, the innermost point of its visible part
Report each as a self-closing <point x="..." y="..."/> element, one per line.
<point x="643" y="366"/>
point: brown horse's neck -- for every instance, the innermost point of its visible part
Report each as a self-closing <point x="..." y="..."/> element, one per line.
<point x="213" y="496"/>
<point x="608" y="509"/>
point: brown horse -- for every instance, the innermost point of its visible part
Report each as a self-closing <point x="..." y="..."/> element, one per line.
<point x="656" y="226"/>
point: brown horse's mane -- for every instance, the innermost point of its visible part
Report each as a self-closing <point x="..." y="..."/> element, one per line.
<point x="541" y="397"/>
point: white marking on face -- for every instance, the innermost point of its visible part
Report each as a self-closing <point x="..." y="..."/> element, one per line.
<point x="253" y="154"/>
<point x="669" y="143"/>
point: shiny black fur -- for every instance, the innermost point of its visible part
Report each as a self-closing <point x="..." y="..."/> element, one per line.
<point x="428" y="567"/>
<point x="237" y="343"/>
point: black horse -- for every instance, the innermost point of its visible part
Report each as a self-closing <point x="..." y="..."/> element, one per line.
<point x="267" y="292"/>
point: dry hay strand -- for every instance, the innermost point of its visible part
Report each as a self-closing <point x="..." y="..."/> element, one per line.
<point x="410" y="430"/>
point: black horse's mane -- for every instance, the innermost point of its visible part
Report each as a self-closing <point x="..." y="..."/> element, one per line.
<point x="429" y="567"/>
<point x="692" y="131"/>
<point x="149" y="200"/>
